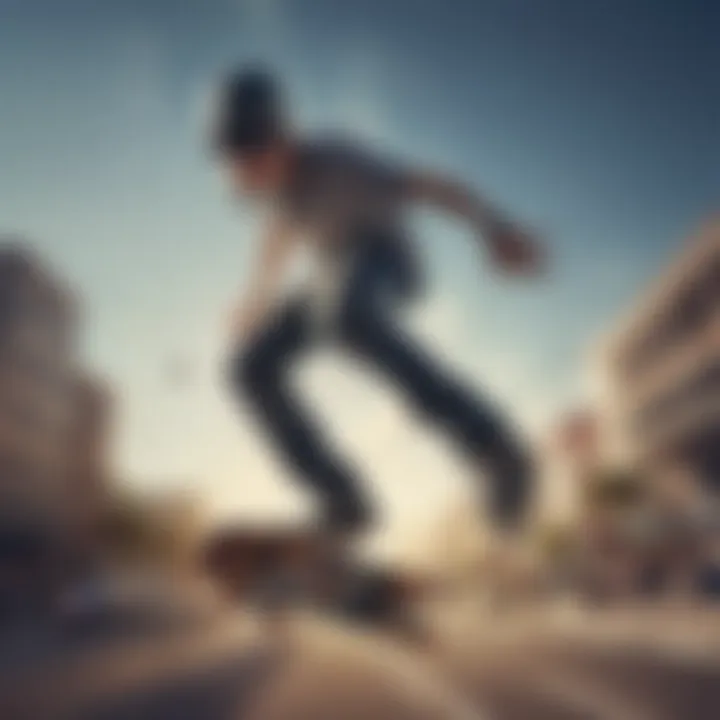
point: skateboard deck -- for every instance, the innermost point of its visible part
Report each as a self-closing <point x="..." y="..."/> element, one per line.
<point x="276" y="570"/>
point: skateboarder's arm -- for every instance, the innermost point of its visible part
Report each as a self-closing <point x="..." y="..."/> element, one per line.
<point x="509" y="244"/>
<point x="276" y="250"/>
<point x="453" y="197"/>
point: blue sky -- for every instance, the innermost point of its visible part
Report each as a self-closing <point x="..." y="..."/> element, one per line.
<point x="597" y="121"/>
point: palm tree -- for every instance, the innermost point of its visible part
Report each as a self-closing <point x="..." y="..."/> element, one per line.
<point x="615" y="500"/>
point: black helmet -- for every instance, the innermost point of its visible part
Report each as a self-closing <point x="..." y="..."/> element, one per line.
<point x="249" y="113"/>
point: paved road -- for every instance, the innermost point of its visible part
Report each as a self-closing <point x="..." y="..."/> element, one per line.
<point x="589" y="674"/>
<point x="228" y="671"/>
<point x="597" y="668"/>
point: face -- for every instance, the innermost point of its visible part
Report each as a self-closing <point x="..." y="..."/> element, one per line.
<point x="259" y="174"/>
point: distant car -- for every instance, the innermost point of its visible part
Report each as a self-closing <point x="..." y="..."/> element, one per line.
<point x="25" y="559"/>
<point x="124" y="604"/>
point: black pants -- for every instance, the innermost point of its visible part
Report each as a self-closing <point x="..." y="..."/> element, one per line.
<point x="366" y="327"/>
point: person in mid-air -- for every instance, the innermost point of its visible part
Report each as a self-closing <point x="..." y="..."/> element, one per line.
<point x="346" y="204"/>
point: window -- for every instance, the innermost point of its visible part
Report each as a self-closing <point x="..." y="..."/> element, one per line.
<point x="679" y="399"/>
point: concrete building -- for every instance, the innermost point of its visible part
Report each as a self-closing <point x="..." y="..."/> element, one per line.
<point x="569" y="457"/>
<point x="38" y="358"/>
<point x="88" y="482"/>
<point x="661" y="369"/>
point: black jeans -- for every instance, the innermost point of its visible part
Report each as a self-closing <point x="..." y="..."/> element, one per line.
<point x="366" y="326"/>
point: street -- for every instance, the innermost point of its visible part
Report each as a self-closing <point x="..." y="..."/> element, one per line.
<point x="570" y="669"/>
<point x="597" y="669"/>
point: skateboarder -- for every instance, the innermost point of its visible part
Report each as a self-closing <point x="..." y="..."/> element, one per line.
<point x="346" y="205"/>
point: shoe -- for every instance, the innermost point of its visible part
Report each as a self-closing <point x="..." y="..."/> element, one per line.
<point x="511" y="491"/>
<point x="347" y="517"/>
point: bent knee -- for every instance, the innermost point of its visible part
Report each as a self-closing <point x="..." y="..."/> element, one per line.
<point x="250" y="370"/>
<point x="361" y="327"/>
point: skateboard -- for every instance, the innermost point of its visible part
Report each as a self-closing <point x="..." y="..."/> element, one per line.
<point x="277" y="571"/>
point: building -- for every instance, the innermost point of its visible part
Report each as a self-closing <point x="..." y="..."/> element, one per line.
<point x="661" y="366"/>
<point x="88" y="482"/>
<point x="577" y="437"/>
<point x="38" y="369"/>
<point x="568" y="457"/>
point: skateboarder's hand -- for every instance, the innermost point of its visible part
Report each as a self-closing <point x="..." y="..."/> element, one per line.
<point x="516" y="250"/>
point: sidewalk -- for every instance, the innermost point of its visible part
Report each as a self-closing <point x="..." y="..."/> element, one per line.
<point x="687" y="633"/>
<point x="690" y="633"/>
